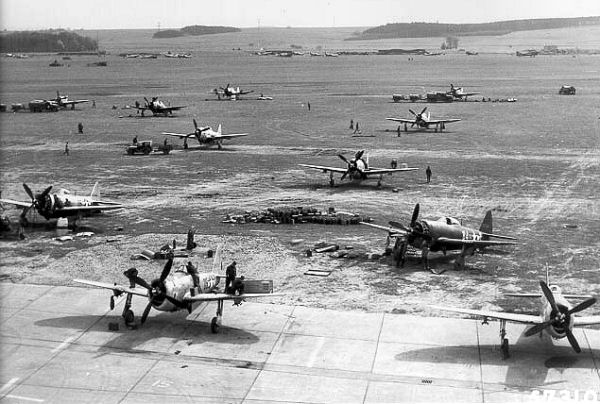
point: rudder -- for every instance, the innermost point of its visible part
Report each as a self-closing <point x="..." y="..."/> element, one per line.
<point x="486" y="225"/>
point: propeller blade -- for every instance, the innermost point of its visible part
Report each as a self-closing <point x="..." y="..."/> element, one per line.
<point x="537" y="328"/>
<point x="412" y="112"/>
<point x="166" y="270"/>
<point x="573" y="341"/>
<point x="398" y="225"/>
<point x="359" y="154"/>
<point x="345" y="174"/>
<point x="46" y="192"/>
<point x="141" y="282"/>
<point x="413" y="124"/>
<point x="549" y="296"/>
<point x="147" y="102"/>
<point x="582" y="306"/>
<point x="146" y="312"/>
<point x="415" y="216"/>
<point x="339" y="155"/>
<point x="195" y="124"/>
<point x="28" y="190"/>
<point x="424" y="109"/>
<point x="178" y="303"/>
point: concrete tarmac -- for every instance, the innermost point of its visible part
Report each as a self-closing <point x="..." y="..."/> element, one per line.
<point x="56" y="347"/>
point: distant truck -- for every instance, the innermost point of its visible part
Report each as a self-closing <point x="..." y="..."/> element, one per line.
<point x="567" y="90"/>
<point x="145" y="147"/>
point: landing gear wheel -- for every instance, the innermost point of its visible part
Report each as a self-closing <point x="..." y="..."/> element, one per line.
<point x="128" y="317"/>
<point x="214" y="326"/>
<point x="504" y="348"/>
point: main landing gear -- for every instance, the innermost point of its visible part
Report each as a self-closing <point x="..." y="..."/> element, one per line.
<point x="128" y="315"/>
<point x="215" y="324"/>
<point x="504" y="340"/>
<point x="331" y="181"/>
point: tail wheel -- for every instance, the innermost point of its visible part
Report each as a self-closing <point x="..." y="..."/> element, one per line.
<point x="214" y="326"/>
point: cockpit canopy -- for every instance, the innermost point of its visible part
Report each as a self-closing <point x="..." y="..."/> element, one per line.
<point x="449" y="220"/>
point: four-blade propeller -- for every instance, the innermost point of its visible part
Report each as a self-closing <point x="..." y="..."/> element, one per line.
<point x="352" y="164"/>
<point x="37" y="201"/>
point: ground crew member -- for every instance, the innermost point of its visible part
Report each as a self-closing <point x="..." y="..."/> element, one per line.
<point x="351" y="123"/>
<point x="193" y="271"/>
<point x="428" y="173"/>
<point x="230" y="274"/>
<point x="80" y="127"/>
<point x="165" y="142"/>
<point x="135" y="139"/>
<point x="399" y="133"/>
<point x="66" y="149"/>
<point x="238" y="286"/>
<point x="308" y="105"/>
<point x="356" y="130"/>
<point x="394" y="163"/>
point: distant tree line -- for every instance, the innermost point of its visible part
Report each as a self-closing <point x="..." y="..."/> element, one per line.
<point x="46" y="41"/>
<point x="425" y="29"/>
<point x="194" y="30"/>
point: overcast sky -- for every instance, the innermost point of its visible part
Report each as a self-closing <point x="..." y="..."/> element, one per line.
<point x="75" y="14"/>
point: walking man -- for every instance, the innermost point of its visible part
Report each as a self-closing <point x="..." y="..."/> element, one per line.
<point x="356" y="130"/>
<point x="308" y="105"/>
<point x="428" y="173"/>
<point x="351" y="123"/>
<point x="66" y="149"/>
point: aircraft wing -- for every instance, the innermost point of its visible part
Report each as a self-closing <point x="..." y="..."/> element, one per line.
<point x="168" y="109"/>
<point x="537" y="295"/>
<point x="402" y="120"/>
<point x="211" y="297"/>
<point x="17" y="203"/>
<point x="75" y="102"/>
<point x="437" y="121"/>
<point x="230" y="136"/>
<point x="180" y="135"/>
<point x="514" y="317"/>
<point x="325" y="168"/>
<point x="114" y="287"/>
<point x="585" y="320"/>
<point x="379" y="171"/>
<point x="91" y="207"/>
<point x="477" y="243"/>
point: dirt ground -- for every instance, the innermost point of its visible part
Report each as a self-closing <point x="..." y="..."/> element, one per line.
<point x="534" y="162"/>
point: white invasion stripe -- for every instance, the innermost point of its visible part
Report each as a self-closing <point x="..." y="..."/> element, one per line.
<point x="8" y="385"/>
<point x="35" y="400"/>
<point x="63" y="344"/>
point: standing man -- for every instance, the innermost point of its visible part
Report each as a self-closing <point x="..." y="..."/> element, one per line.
<point x="80" y="128"/>
<point x="308" y="105"/>
<point x="428" y="173"/>
<point x="356" y="130"/>
<point x="351" y="124"/>
<point x="66" y="149"/>
<point x="135" y="140"/>
<point x="230" y="274"/>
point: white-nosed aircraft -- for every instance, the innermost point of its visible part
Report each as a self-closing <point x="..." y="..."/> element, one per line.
<point x="556" y="316"/>
<point x="230" y="93"/>
<point x="357" y="169"/>
<point x="62" y="204"/>
<point x="459" y="93"/>
<point x="444" y="234"/>
<point x="63" y="101"/>
<point x="424" y="121"/>
<point x="205" y="135"/>
<point x="157" y="107"/>
<point x="173" y="291"/>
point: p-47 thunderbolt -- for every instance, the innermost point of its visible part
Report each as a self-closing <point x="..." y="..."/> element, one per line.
<point x="424" y="121"/>
<point x="62" y="204"/>
<point x="459" y="93"/>
<point x="157" y="107"/>
<point x="63" y="101"/>
<point x="556" y="316"/>
<point x="357" y="169"/>
<point x="444" y="234"/>
<point x="205" y="136"/>
<point x="230" y="93"/>
<point x="181" y="289"/>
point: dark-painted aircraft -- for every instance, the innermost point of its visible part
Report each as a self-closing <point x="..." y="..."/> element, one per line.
<point x="230" y="93"/>
<point x="556" y="316"/>
<point x="423" y="121"/>
<point x="205" y="135"/>
<point x="156" y="107"/>
<point x="181" y="289"/>
<point x="444" y="234"/>
<point x="459" y="93"/>
<point x="357" y="169"/>
<point x="62" y="204"/>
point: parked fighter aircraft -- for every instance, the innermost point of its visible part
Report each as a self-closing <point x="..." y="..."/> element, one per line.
<point x="357" y="169"/>
<point x="443" y="235"/>
<point x="423" y="121"/>
<point x="157" y="107"/>
<point x="230" y="93"/>
<point x="205" y="136"/>
<point x="62" y="204"/>
<point x="556" y="316"/>
<point x="63" y="101"/>
<point x="174" y="291"/>
<point x="459" y="93"/>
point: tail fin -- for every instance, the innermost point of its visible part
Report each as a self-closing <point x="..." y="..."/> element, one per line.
<point x="486" y="225"/>
<point x="94" y="190"/>
<point x="219" y="130"/>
